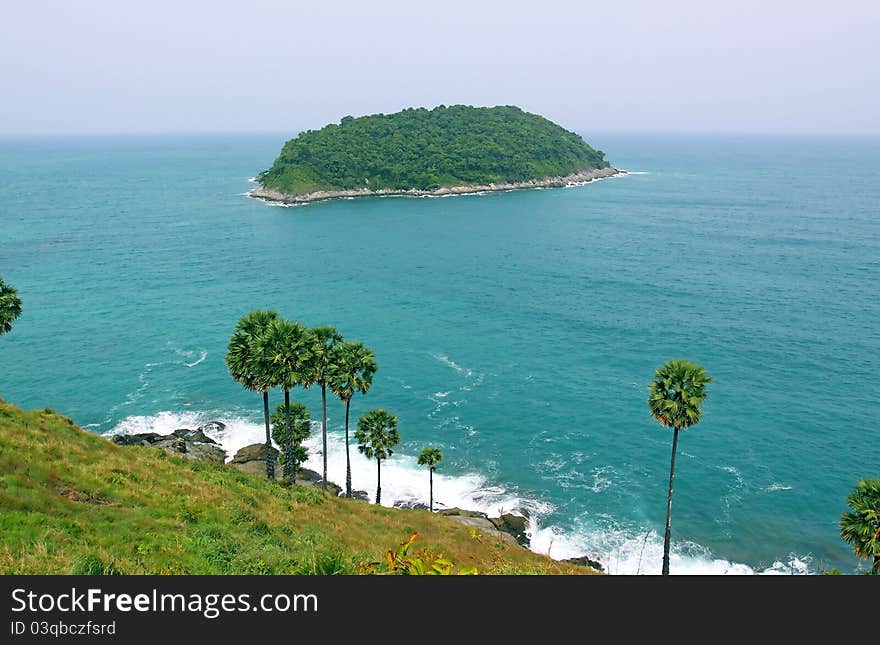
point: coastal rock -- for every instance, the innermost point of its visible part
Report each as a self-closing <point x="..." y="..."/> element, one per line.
<point x="196" y="436"/>
<point x="461" y="512"/>
<point x="252" y="460"/>
<point x="514" y="525"/>
<point x="475" y="522"/>
<point x="410" y="504"/>
<point x="192" y="444"/>
<point x="212" y="426"/>
<point x="574" y="179"/>
<point x="140" y="439"/>
<point x="586" y="561"/>
<point x="306" y="477"/>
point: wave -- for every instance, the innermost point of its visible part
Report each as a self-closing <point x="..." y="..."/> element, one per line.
<point x="627" y="550"/>
<point x="772" y="488"/>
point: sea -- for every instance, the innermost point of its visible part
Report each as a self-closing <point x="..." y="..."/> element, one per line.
<point x="515" y="331"/>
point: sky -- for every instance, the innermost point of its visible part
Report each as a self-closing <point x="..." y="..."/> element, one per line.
<point x="768" y="66"/>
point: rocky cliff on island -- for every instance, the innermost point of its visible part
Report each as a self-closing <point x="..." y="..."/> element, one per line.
<point x="574" y="179"/>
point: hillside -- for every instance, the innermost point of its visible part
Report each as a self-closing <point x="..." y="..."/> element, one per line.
<point x="423" y="150"/>
<point x="73" y="502"/>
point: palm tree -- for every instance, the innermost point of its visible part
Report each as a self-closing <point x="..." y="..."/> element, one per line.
<point x="861" y="526"/>
<point x="284" y="352"/>
<point x="290" y="427"/>
<point x="242" y="364"/>
<point x="352" y="369"/>
<point x="676" y="401"/>
<point x="377" y="435"/>
<point x="430" y="457"/>
<point x="10" y="306"/>
<point x="327" y="338"/>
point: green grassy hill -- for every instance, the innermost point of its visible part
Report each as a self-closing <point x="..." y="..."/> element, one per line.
<point x="426" y="149"/>
<point x="73" y="502"/>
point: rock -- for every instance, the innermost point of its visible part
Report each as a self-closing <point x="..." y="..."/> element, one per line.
<point x="208" y="452"/>
<point x="141" y="439"/>
<point x="483" y="524"/>
<point x="192" y="444"/>
<point x="196" y="436"/>
<point x="476" y="522"/>
<point x="252" y="460"/>
<point x="460" y="512"/>
<point x="306" y="477"/>
<point x="586" y="561"/>
<point x="211" y="426"/>
<point x="514" y="525"/>
<point x="410" y="504"/>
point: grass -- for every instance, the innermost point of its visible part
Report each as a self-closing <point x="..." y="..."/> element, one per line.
<point x="72" y="502"/>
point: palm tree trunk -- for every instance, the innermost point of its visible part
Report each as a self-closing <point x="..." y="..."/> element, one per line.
<point x="378" y="480"/>
<point x="288" y="444"/>
<point x="876" y="568"/>
<point x="667" y="538"/>
<point x="324" y="432"/>
<point x="347" y="458"/>
<point x="270" y="463"/>
<point x="431" y="489"/>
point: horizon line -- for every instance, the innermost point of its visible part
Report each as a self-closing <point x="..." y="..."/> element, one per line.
<point x="297" y="131"/>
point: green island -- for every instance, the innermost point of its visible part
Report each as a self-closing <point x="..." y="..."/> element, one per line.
<point x="446" y="150"/>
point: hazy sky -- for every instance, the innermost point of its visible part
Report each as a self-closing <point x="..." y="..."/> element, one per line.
<point x="616" y="65"/>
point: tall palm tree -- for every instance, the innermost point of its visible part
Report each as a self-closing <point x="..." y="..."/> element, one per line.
<point x="377" y="435"/>
<point x="327" y="339"/>
<point x="290" y="427"/>
<point x="10" y="306"/>
<point x="352" y="369"/>
<point x="284" y="354"/>
<point x="242" y="364"/>
<point x="861" y="525"/>
<point x="676" y="401"/>
<point x="430" y="457"/>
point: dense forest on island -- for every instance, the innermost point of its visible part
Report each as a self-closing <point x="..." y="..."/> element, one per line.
<point x="426" y="149"/>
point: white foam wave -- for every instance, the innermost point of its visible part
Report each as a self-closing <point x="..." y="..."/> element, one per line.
<point x="202" y="356"/>
<point x="622" y="550"/>
<point x="772" y="488"/>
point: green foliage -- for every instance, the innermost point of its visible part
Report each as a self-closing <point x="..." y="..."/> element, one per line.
<point x="377" y="434"/>
<point x="677" y="393"/>
<point x="91" y="565"/>
<point x="426" y="149"/>
<point x="860" y="526"/>
<point x="301" y="428"/>
<point x="242" y="349"/>
<point x="284" y="352"/>
<point x="299" y="421"/>
<point x="423" y="563"/>
<point x="352" y="367"/>
<point x="10" y="306"/>
<point x="328" y="562"/>
<point x="430" y="457"/>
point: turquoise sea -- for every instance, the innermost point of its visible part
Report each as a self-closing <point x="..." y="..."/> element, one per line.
<point x="516" y="331"/>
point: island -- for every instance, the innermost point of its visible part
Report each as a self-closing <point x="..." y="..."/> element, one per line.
<point x="447" y="150"/>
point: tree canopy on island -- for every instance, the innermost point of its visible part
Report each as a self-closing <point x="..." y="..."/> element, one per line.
<point x="426" y="149"/>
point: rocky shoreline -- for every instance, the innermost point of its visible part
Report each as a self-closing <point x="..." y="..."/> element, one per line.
<point x="575" y="179"/>
<point x="251" y="460"/>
